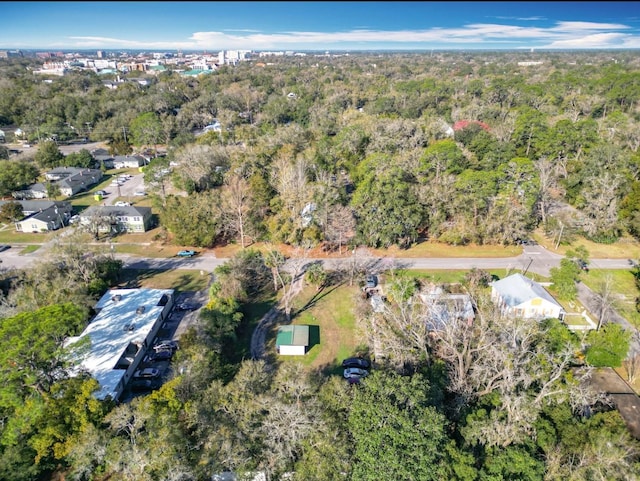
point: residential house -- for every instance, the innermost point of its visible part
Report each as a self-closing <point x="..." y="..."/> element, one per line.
<point x="42" y="215"/>
<point x="126" y="323"/>
<point x="519" y="296"/>
<point x="34" y="191"/>
<point x="128" y="161"/>
<point x="110" y="218"/>
<point x="103" y="157"/>
<point x="70" y="180"/>
<point x="444" y="307"/>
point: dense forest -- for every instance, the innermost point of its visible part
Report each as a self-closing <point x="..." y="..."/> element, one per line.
<point x="364" y="149"/>
<point x="368" y="142"/>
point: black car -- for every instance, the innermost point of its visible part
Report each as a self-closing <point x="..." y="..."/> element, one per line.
<point x="4" y="247"/>
<point x="162" y="355"/>
<point x="358" y="362"/>
<point x="141" y="385"/>
<point x="186" y="306"/>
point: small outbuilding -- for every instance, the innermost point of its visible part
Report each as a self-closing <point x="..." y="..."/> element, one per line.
<point x="292" y="340"/>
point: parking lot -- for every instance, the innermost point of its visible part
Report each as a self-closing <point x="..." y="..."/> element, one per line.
<point x="178" y="321"/>
<point x="126" y="189"/>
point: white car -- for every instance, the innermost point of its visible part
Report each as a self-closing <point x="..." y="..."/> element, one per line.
<point x="355" y="372"/>
<point x="166" y="345"/>
<point x="121" y="203"/>
<point x="140" y="193"/>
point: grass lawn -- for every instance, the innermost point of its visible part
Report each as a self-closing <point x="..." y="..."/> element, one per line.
<point x="335" y="336"/>
<point x="181" y="280"/>
<point x="436" y="249"/>
<point x="624" y="248"/>
<point x="29" y="249"/>
<point x="420" y="250"/>
<point x="438" y="276"/>
<point x="624" y="287"/>
<point x="252" y="313"/>
<point x="11" y="236"/>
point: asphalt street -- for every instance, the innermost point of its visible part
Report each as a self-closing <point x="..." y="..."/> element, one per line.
<point x="533" y="259"/>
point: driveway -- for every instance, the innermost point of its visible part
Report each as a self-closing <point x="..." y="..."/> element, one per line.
<point x="588" y="299"/>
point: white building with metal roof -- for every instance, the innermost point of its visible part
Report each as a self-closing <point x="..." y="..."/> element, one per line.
<point x="517" y="295"/>
<point x="117" y="338"/>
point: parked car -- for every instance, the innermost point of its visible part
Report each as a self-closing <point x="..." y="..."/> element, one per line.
<point x="121" y="203"/>
<point x="142" y="384"/>
<point x="583" y="265"/>
<point x="4" y="247"/>
<point x="355" y="372"/>
<point x="186" y="253"/>
<point x="166" y="345"/>
<point x="371" y="281"/>
<point x="146" y="373"/>
<point x="186" y="306"/>
<point x="100" y="192"/>
<point x="140" y="193"/>
<point x="160" y="355"/>
<point x="356" y="362"/>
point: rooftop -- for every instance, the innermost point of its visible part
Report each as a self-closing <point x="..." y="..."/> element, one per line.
<point x="517" y="289"/>
<point x="118" y="324"/>
<point x="293" y="335"/>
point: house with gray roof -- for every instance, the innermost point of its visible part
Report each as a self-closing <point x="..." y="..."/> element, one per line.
<point x="444" y="308"/>
<point x="111" y="218"/>
<point x="71" y="180"/>
<point x="519" y="296"/>
<point x="128" y="161"/>
<point x="42" y="215"/>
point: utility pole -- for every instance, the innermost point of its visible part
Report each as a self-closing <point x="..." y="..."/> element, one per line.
<point x="529" y="265"/>
<point x="124" y="133"/>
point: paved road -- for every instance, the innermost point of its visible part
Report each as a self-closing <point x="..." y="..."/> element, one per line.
<point x="533" y="259"/>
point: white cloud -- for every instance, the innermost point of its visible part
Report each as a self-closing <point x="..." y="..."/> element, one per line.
<point x="564" y="34"/>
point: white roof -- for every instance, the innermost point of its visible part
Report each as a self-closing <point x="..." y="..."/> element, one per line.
<point x="110" y="336"/>
<point x="517" y="289"/>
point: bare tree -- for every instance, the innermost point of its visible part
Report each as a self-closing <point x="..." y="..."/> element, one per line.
<point x="546" y="174"/>
<point x="289" y="178"/>
<point x="402" y="326"/>
<point x="601" y="203"/>
<point x="604" y="298"/>
<point x="288" y="274"/>
<point x="236" y="201"/>
<point x="341" y="226"/>
<point x="632" y="366"/>
<point x="201" y="164"/>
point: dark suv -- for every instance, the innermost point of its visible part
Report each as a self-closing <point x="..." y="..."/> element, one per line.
<point x="358" y="362"/>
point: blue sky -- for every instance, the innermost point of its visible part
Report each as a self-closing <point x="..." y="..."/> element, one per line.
<point x="319" y="25"/>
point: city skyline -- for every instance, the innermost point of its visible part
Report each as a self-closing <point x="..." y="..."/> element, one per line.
<point x="320" y="25"/>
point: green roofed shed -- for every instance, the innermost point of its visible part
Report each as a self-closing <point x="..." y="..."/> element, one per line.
<point x="292" y="340"/>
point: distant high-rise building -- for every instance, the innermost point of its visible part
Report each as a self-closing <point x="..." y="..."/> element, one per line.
<point x="100" y="54"/>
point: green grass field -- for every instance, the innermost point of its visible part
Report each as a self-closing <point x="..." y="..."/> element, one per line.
<point x="624" y="288"/>
<point x="334" y="334"/>
<point x="181" y="280"/>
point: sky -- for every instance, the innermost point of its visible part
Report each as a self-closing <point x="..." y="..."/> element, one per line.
<point x="319" y="26"/>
